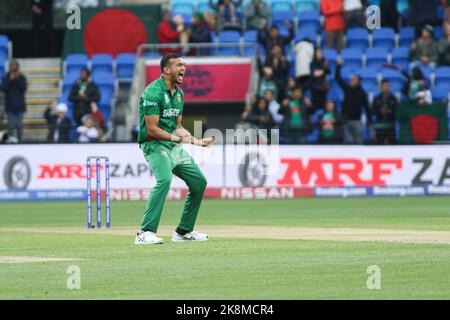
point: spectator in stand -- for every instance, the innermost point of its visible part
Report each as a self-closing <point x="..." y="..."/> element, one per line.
<point x="199" y="33"/>
<point x="304" y="54"/>
<point x="82" y="94"/>
<point x="14" y="85"/>
<point x="270" y="37"/>
<point x="227" y="18"/>
<point x="291" y="85"/>
<point x="330" y="125"/>
<point x="354" y="14"/>
<point x="389" y="14"/>
<point x="280" y="66"/>
<point x="42" y="22"/>
<point x="259" y="115"/>
<point x="59" y="124"/>
<point x="354" y="98"/>
<point x="274" y="107"/>
<point x="333" y="11"/>
<point x="169" y="32"/>
<point x="424" y="51"/>
<point x="297" y="121"/>
<point x="446" y="5"/>
<point x="98" y="116"/>
<point x="422" y="13"/>
<point x="89" y="131"/>
<point x="267" y="83"/>
<point x="444" y="47"/>
<point x="383" y="107"/>
<point x="414" y="83"/>
<point x="424" y="97"/>
<point x="318" y="83"/>
<point x="255" y="13"/>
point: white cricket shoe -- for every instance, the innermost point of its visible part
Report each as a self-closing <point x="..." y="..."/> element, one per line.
<point x="190" y="236"/>
<point x="147" y="237"/>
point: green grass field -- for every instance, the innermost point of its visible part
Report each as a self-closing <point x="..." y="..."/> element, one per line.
<point x="259" y="266"/>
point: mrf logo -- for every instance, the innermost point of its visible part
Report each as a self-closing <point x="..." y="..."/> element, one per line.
<point x="198" y="81"/>
<point x="314" y="171"/>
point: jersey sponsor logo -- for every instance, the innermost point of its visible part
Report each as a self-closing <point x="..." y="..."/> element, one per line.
<point x="179" y="98"/>
<point x="166" y="98"/>
<point x="171" y="112"/>
<point x="147" y="103"/>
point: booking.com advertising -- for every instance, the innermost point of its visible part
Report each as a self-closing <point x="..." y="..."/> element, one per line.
<point x="232" y="172"/>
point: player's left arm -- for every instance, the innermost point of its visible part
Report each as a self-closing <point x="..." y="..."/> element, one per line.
<point x="188" y="138"/>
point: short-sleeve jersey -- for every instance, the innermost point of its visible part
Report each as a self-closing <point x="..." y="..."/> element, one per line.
<point x="157" y="100"/>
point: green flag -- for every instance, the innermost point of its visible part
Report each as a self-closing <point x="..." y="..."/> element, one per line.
<point x="421" y="124"/>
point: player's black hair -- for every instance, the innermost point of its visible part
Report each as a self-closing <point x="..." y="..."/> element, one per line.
<point x="166" y="59"/>
<point x="384" y="81"/>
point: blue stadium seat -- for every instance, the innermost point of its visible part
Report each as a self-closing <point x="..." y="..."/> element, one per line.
<point x="306" y="5"/>
<point x="306" y="33"/>
<point x="281" y="5"/>
<point x="330" y="55"/>
<point x="440" y="93"/>
<point x="250" y="36"/>
<point x="368" y="78"/>
<point x="400" y="57"/>
<point x="125" y="65"/>
<point x="105" y="110"/>
<point x="395" y="78"/>
<point x="102" y="63"/>
<point x="229" y="36"/>
<point x="442" y="77"/>
<point x="75" y="62"/>
<point x="375" y="57"/>
<point x="426" y="73"/>
<point x="279" y="17"/>
<point x="309" y="19"/>
<point x="105" y="84"/>
<point x="335" y="93"/>
<point x="152" y="54"/>
<point x="185" y="6"/>
<point x="352" y="57"/>
<point x="357" y="38"/>
<point x="203" y="6"/>
<point x="406" y="36"/>
<point x="438" y="33"/>
<point x="4" y="48"/>
<point x="68" y="81"/>
<point x="384" y="38"/>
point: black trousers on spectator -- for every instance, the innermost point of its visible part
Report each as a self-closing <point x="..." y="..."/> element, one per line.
<point x="385" y="135"/>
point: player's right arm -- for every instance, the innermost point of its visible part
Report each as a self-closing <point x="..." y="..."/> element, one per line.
<point x="150" y="108"/>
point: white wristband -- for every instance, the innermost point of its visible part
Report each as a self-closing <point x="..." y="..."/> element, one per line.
<point x="174" y="138"/>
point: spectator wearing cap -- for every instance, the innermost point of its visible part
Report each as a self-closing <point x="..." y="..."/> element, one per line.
<point x="83" y="94"/>
<point x="271" y="37"/>
<point x="59" y="124"/>
<point x="383" y="107"/>
<point x="169" y="31"/>
<point x="256" y="12"/>
<point x="354" y="98"/>
<point x="227" y="18"/>
<point x="333" y="11"/>
<point x="14" y="85"/>
<point x="424" y="51"/>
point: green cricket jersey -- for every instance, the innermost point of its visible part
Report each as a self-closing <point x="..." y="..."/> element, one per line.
<point x="157" y="100"/>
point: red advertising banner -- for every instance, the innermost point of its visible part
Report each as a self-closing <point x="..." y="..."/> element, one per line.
<point x="210" y="79"/>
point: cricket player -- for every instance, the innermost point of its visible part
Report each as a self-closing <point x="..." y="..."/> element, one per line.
<point x="160" y="137"/>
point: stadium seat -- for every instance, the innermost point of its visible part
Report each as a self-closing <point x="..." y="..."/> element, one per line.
<point x="335" y="93"/>
<point x="306" y="5"/>
<point x="152" y="54"/>
<point x="281" y="5"/>
<point x="203" y="6"/>
<point x="75" y="62"/>
<point x="406" y="36"/>
<point x="105" y="110"/>
<point x="250" y="36"/>
<point x="426" y="73"/>
<point x="384" y="37"/>
<point x="309" y="19"/>
<point x="400" y="57"/>
<point x="368" y="78"/>
<point x="68" y="81"/>
<point x="102" y="63"/>
<point x="375" y="57"/>
<point x="440" y="93"/>
<point x="330" y="55"/>
<point x="105" y="84"/>
<point x="306" y="33"/>
<point x="442" y="77"/>
<point x="4" y="47"/>
<point x="352" y="57"/>
<point x="229" y="36"/>
<point x="358" y="38"/>
<point x="395" y="78"/>
<point x="182" y="6"/>
<point x="279" y="17"/>
<point x="438" y="33"/>
<point x="125" y="65"/>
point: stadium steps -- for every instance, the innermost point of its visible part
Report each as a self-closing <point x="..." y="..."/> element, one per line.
<point x="43" y="76"/>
